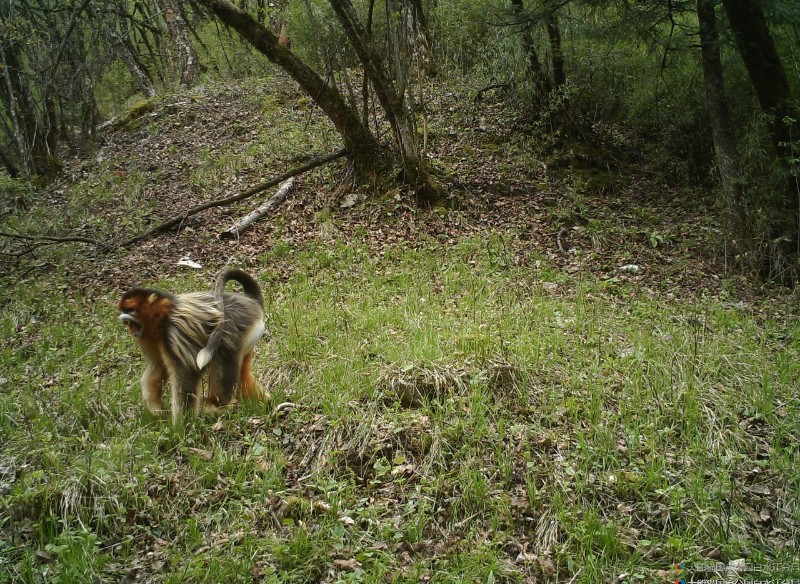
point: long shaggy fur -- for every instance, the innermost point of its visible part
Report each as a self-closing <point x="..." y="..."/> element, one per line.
<point x="193" y="317"/>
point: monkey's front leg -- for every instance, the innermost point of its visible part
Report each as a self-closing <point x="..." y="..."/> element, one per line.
<point x="186" y="393"/>
<point x="153" y="380"/>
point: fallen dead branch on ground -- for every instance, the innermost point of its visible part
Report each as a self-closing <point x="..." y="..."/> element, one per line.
<point x="177" y="220"/>
<point x="234" y="199"/>
<point x="243" y="224"/>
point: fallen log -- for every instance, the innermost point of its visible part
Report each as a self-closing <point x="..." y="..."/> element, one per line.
<point x="234" y="199"/>
<point x="243" y="224"/>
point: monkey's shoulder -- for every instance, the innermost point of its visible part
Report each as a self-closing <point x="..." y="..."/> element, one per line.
<point x="197" y="307"/>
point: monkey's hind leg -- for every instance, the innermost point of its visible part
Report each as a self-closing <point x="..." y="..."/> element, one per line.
<point x="248" y="387"/>
<point x="223" y="374"/>
<point x="153" y="380"/>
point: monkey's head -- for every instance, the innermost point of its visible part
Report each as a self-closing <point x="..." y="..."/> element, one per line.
<point x="142" y="311"/>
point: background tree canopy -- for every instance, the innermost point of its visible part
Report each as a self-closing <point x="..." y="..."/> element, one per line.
<point x="704" y="91"/>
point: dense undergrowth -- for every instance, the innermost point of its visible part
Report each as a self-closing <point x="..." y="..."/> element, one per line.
<point x="472" y="404"/>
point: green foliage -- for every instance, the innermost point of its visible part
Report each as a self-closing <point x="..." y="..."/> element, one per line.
<point x="15" y="193"/>
<point x="114" y="89"/>
<point x="226" y="56"/>
<point x="316" y="35"/>
<point x="463" y="32"/>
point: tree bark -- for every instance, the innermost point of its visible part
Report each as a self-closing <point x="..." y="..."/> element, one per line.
<point x="188" y="65"/>
<point x="10" y="98"/>
<point x="771" y="86"/>
<point x="423" y="44"/>
<point x="358" y="140"/>
<point x="425" y="188"/>
<point x="124" y="49"/>
<point x="763" y="63"/>
<point x="556" y="52"/>
<point x="35" y="137"/>
<point x="534" y="65"/>
<point x="727" y="152"/>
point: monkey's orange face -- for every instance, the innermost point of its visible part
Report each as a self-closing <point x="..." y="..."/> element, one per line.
<point x="141" y="308"/>
<point x="128" y="315"/>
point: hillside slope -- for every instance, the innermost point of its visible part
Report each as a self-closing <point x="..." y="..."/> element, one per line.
<point x="593" y="208"/>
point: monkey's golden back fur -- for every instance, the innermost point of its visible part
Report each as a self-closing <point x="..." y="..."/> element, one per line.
<point x="194" y="315"/>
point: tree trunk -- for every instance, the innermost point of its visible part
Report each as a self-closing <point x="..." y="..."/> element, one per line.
<point x="534" y="65"/>
<point x="771" y="85"/>
<point x="34" y="137"/>
<point x="722" y="129"/>
<point x="763" y="64"/>
<point x="10" y="99"/>
<point x="556" y="52"/>
<point x="90" y="116"/>
<point x="261" y="12"/>
<point x="425" y="188"/>
<point x="124" y="49"/>
<point x="422" y="38"/>
<point x="188" y="65"/>
<point x="358" y="140"/>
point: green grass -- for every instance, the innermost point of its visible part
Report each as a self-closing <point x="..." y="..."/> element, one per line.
<point x="462" y="416"/>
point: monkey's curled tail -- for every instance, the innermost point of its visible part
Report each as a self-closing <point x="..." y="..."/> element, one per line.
<point x="251" y="289"/>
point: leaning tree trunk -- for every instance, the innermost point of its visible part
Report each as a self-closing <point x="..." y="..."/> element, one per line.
<point x="358" y="140"/>
<point x="771" y="85"/>
<point x="728" y="162"/>
<point x="187" y="63"/>
<point x="426" y="190"/>
<point x="763" y="64"/>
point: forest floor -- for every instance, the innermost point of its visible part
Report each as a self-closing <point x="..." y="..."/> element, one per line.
<point x="551" y="378"/>
<point x="591" y="205"/>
